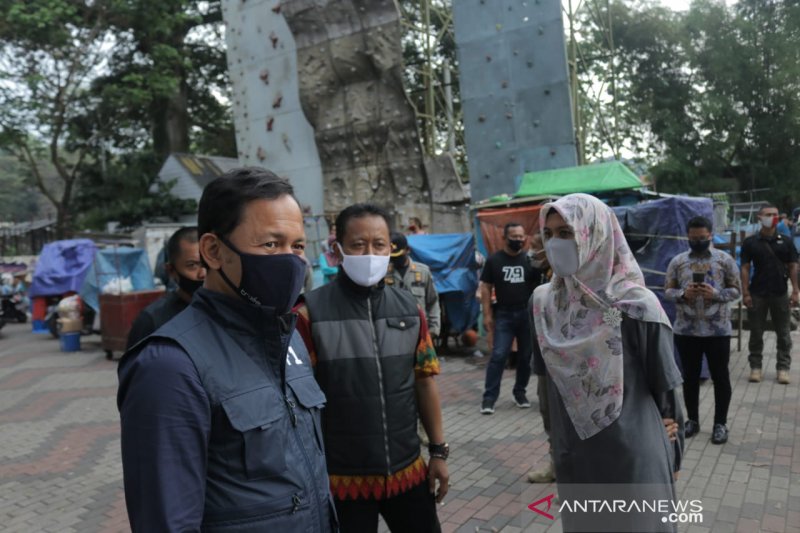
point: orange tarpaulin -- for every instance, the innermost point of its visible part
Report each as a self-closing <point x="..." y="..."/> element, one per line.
<point x="493" y="221"/>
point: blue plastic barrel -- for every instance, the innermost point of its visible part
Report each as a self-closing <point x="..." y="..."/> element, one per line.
<point x="70" y="342"/>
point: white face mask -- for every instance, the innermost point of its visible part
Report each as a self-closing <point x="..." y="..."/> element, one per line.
<point x="364" y="270"/>
<point x="562" y="254"/>
<point x="768" y="221"/>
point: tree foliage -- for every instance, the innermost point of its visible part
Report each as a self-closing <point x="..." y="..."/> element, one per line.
<point x="708" y="97"/>
<point x="96" y="94"/>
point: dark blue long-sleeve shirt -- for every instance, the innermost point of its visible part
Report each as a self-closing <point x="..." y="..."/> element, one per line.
<point x="166" y="422"/>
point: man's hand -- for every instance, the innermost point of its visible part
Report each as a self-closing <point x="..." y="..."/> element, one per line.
<point x="705" y="291"/>
<point x="672" y="429"/>
<point x="747" y="300"/>
<point x="437" y="470"/>
<point x="675" y="475"/>
<point x="795" y="298"/>
<point x="690" y="293"/>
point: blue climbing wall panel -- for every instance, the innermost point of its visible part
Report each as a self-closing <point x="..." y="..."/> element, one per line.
<point x="514" y="91"/>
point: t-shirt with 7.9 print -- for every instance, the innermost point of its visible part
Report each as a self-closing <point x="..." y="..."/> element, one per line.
<point x="513" y="278"/>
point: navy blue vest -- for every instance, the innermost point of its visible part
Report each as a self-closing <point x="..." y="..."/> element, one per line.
<point x="266" y="465"/>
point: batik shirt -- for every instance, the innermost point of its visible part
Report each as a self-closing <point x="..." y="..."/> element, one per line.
<point x="703" y="318"/>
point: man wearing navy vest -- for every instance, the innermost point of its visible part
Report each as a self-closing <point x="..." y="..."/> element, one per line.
<point x="219" y="408"/>
<point x="375" y="362"/>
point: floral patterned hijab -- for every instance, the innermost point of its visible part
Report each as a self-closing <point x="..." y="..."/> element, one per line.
<point x="578" y="318"/>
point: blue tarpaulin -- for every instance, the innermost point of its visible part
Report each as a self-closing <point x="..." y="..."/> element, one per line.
<point x="113" y="263"/>
<point x="451" y="258"/>
<point x="62" y="267"/>
<point x="656" y="231"/>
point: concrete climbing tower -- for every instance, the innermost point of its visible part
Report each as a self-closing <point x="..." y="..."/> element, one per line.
<point x="271" y="128"/>
<point x="514" y="91"/>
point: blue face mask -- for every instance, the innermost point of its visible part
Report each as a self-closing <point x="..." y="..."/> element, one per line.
<point x="269" y="280"/>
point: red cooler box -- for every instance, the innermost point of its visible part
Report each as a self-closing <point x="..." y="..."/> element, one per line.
<point x="117" y="313"/>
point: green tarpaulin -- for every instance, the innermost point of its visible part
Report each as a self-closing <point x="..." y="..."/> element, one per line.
<point x="609" y="176"/>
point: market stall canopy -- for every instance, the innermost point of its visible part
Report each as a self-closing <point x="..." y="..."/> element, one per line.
<point x="62" y="267"/>
<point x="492" y="223"/>
<point x="116" y="263"/>
<point x="610" y="176"/>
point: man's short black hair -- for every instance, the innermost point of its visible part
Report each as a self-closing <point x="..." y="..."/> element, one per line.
<point x="225" y="198"/>
<point x="509" y="226"/>
<point x="766" y="206"/>
<point x="187" y="234"/>
<point x="358" y="211"/>
<point x="699" y="222"/>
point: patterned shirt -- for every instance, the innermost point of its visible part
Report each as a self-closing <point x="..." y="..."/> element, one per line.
<point x="703" y="318"/>
<point x="380" y="487"/>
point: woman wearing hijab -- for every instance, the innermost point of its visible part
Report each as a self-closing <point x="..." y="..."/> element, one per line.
<point x="606" y="344"/>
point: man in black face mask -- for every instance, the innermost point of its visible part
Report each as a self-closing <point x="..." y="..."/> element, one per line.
<point x="416" y="278"/>
<point x="186" y="271"/>
<point x="702" y="282"/>
<point x="509" y="274"/>
<point x="219" y="408"/>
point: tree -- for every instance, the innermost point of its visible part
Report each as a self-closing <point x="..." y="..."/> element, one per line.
<point x="51" y="51"/>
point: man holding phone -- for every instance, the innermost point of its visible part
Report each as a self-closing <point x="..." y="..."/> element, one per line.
<point x="702" y="282"/>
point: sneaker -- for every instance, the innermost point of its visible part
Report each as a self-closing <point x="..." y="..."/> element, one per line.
<point x="690" y="429"/>
<point x="755" y="375"/>
<point x="522" y="401"/>
<point x="720" y="435"/>
<point x="487" y="407"/>
<point x="545" y="475"/>
<point x="783" y="377"/>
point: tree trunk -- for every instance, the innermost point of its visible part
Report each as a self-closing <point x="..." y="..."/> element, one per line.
<point x="171" y="122"/>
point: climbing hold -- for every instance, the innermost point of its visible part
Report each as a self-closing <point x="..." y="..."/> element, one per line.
<point x="264" y="76"/>
<point x="504" y="85"/>
<point x="509" y="116"/>
<point x="547" y="92"/>
<point x="270" y="122"/>
<point x="481" y="118"/>
<point x="488" y="58"/>
<point x="277" y="8"/>
<point x="276" y="102"/>
<point x="261" y="154"/>
<point x="498" y="145"/>
<point x="541" y="30"/>
<point x="498" y="27"/>
<point x="274" y="38"/>
<point x="530" y="64"/>
<point x="552" y="152"/>
<point x="285" y="139"/>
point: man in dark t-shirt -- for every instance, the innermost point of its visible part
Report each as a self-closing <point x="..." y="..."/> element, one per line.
<point x="775" y="260"/>
<point x="512" y="278"/>
<point x="184" y="268"/>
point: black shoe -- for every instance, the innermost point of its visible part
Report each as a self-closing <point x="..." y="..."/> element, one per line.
<point x="720" y="435"/>
<point x="522" y="401"/>
<point x="487" y="407"/>
<point x="691" y="428"/>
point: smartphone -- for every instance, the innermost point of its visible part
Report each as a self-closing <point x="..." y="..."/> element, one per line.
<point x="698" y="278"/>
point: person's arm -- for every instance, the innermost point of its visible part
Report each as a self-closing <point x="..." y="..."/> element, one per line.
<point x="795" y="299"/>
<point x="732" y="289"/>
<point x="432" y="310"/>
<point x="747" y="300"/>
<point x="426" y="366"/>
<point x="672" y="290"/>
<point x="165" y="420"/>
<point x="143" y="326"/>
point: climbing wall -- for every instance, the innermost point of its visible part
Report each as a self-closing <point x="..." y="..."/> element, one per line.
<point x="271" y="129"/>
<point x="514" y="91"/>
<point x="349" y="58"/>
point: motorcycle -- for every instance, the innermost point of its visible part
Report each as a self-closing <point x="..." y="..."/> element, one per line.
<point x="13" y="308"/>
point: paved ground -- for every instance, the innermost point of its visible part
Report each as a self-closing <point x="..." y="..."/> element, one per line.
<point x="60" y="468"/>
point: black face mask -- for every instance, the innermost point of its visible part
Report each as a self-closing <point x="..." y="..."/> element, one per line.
<point x="699" y="246"/>
<point x="188" y="285"/>
<point x="515" y="245"/>
<point x="269" y="280"/>
<point x="399" y="261"/>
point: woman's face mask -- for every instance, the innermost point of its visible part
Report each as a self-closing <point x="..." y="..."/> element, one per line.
<point x="562" y="254"/>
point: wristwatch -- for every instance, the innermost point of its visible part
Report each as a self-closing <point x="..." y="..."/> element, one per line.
<point x="440" y="451"/>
